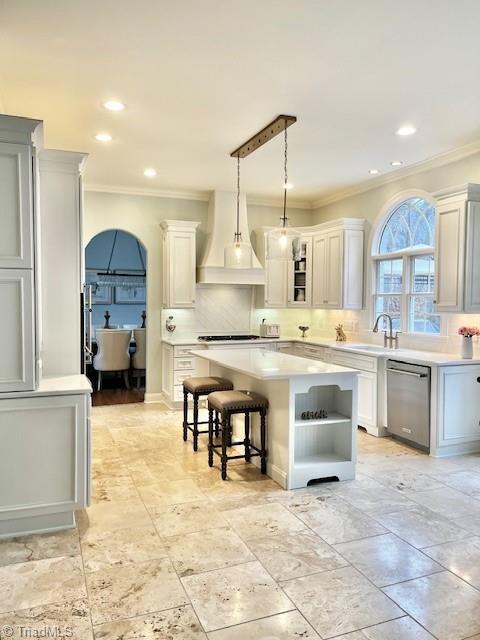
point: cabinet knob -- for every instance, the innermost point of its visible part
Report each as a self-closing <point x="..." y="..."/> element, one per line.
<point x="478" y="379"/>
<point x="434" y="302"/>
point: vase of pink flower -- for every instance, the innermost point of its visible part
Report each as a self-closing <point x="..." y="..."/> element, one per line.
<point x="467" y="342"/>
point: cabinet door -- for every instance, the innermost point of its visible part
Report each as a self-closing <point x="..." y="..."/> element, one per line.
<point x="449" y="256"/>
<point x="16" y="212"/>
<point x="276" y="283"/>
<point x="319" y="275"/>
<point x="167" y="370"/>
<point x="47" y="438"/>
<point x="352" y="269"/>
<point x="334" y="270"/>
<point x="17" y="328"/>
<point x="458" y="404"/>
<point x="300" y="276"/>
<point x="472" y="269"/>
<point x="180" y="264"/>
<point x="367" y="399"/>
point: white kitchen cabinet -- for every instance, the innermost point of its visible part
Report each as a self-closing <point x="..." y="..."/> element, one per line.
<point x="178" y="364"/>
<point x="16" y="237"/>
<point x="179" y="263"/>
<point x="55" y="480"/>
<point x="367" y="399"/>
<point x="61" y="217"/>
<point x="457" y="409"/>
<point x="457" y="249"/>
<point x="17" y="328"/>
<point x="337" y="280"/>
<point x="299" y="276"/>
<point x="275" y="290"/>
<point x="285" y="347"/>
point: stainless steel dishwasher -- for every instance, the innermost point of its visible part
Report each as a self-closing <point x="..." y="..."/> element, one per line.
<point x="408" y="403"/>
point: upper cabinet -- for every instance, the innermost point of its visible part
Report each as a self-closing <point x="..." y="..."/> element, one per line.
<point x="337" y="280"/>
<point x="327" y="271"/>
<point x="457" y="250"/>
<point x="16" y="192"/>
<point x="179" y="263"/>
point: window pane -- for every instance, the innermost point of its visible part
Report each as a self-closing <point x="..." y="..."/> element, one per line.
<point x="390" y="276"/>
<point x="411" y="224"/>
<point x="422" y="317"/>
<point x="390" y="305"/>
<point x="423" y="274"/>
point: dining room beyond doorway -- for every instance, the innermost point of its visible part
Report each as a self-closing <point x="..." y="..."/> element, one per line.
<point x="115" y="269"/>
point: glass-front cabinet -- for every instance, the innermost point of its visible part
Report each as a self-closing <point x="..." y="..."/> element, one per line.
<point x="300" y="274"/>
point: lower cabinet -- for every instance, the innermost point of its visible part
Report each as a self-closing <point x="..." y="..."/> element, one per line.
<point x="367" y="399"/>
<point x="178" y="364"/>
<point x="458" y="409"/>
<point x="42" y="484"/>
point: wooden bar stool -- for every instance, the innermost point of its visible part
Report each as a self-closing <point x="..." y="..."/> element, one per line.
<point x="198" y="387"/>
<point x="228" y="403"/>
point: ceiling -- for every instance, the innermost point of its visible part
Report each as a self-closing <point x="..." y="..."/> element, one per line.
<point x="199" y="77"/>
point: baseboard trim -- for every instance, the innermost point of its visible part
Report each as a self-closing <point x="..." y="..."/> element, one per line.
<point x="151" y="398"/>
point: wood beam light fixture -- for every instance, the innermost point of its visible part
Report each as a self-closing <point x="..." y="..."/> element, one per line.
<point x="273" y="129"/>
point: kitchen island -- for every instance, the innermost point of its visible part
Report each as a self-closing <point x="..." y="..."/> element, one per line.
<point x="302" y="447"/>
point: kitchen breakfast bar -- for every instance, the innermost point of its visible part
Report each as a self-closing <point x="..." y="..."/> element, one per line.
<point x="312" y="421"/>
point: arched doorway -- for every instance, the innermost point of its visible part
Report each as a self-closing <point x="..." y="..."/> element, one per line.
<point x="115" y="269"/>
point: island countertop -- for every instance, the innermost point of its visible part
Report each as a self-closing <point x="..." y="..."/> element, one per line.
<point x="269" y="365"/>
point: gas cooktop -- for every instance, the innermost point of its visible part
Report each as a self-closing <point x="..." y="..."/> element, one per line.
<point x="219" y="338"/>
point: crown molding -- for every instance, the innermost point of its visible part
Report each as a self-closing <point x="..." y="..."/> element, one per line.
<point x="202" y="196"/>
<point x="278" y="202"/>
<point x="439" y="160"/>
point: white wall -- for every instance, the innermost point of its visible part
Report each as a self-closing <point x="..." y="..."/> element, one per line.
<point x="141" y="215"/>
<point x="368" y="205"/>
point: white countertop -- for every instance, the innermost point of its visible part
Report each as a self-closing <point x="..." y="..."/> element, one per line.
<point x="269" y="365"/>
<point x="61" y="386"/>
<point x="430" y="358"/>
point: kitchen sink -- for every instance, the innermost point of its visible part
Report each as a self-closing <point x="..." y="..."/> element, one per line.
<point x="368" y="347"/>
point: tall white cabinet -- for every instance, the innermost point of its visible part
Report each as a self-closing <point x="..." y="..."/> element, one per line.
<point x="17" y="320"/>
<point x="457" y="249"/>
<point x="179" y="263"/>
<point x="44" y="401"/>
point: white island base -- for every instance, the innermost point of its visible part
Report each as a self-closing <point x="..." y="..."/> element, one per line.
<point x="300" y="451"/>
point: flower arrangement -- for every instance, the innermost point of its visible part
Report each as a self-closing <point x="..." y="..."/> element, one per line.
<point x="469" y="332"/>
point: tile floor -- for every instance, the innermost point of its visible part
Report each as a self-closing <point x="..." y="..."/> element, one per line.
<point x="168" y="551"/>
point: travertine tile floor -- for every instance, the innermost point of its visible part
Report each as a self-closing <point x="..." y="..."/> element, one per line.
<point x="168" y="551"/>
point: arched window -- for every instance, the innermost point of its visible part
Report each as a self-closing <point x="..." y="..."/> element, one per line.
<point x="405" y="267"/>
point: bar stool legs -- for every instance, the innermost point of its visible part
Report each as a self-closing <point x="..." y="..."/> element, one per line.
<point x="185" y="414"/>
<point x="210" y="434"/>
<point x="263" y="444"/>
<point x="195" y="422"/>
<point x="246" y="442"/>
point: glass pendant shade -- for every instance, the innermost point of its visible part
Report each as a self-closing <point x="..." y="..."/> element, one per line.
<point x="282" y="243"/>
<point x="238" y="255"/>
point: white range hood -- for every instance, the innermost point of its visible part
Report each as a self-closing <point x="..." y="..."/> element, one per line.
<point x="222" y="216"/>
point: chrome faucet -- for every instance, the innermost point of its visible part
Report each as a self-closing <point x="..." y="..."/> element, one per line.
<point x="390" y="341"/>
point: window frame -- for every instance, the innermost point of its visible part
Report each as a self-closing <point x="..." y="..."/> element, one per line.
<point x="406" y="255"/>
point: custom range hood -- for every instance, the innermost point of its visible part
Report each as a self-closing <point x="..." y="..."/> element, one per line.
<point x="221" y="227"/>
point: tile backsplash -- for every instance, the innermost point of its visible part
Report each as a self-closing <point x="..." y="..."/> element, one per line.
<point x="229" y="309"/>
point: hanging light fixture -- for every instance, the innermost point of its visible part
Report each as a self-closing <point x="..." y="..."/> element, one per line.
<point x="112" y="278"/>
<point x="238" y="255"/>
<point x="282" y="242"/>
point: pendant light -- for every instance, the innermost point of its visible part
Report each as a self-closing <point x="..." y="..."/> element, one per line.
<point x="283" y="241"/>
<point x="238" y="255"/>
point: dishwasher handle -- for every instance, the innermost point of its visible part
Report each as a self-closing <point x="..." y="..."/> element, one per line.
<point x="409" y="373"/>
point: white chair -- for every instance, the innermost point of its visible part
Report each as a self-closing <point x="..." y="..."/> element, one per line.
<point x="112" y="353"/>
<point x="139" y="358"/>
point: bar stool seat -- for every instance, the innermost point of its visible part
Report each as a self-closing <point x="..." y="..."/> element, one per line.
<point x="228" y="403"/>
<point x="200" y="386"/>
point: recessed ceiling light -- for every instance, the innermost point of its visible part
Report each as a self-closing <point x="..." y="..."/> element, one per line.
<point x="150" y="173"/>
<point x="396" y="163"/>
<point x="114" y="105"/>
<point x="373" y="172"/>
<point x="288" y="185"/>
<point x="103" y="137"/>
<point x="406" y="130"/>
